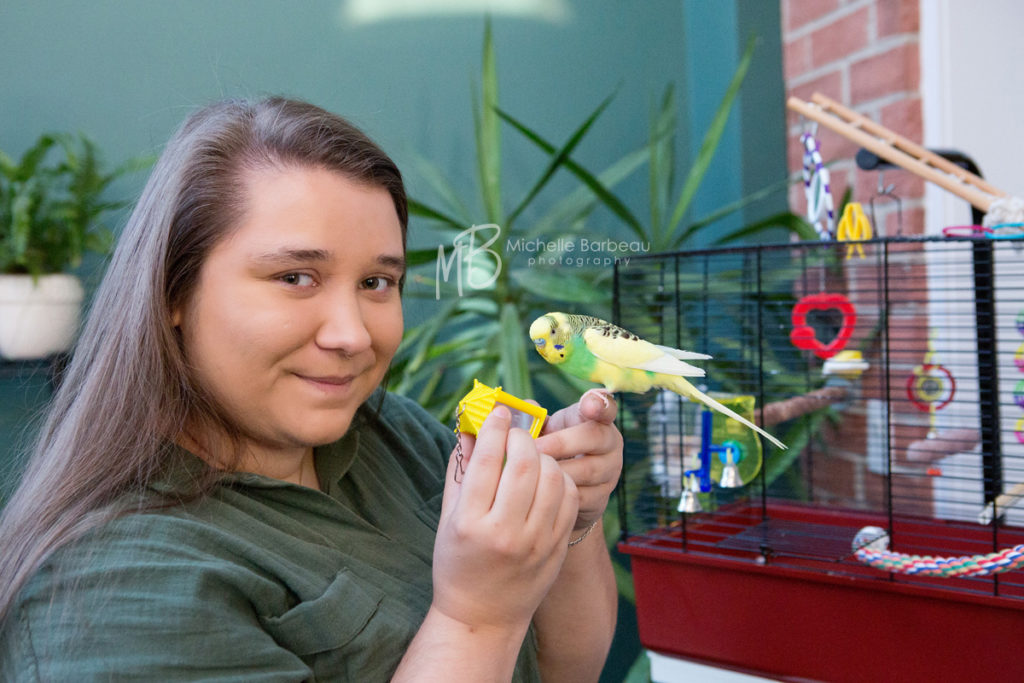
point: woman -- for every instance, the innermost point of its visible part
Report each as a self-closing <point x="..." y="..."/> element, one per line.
<point x="223" y="491"/>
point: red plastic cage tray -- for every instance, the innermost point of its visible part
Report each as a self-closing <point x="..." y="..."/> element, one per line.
<point x="783" y="597"/>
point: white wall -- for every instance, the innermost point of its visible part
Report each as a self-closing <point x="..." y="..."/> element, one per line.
<point x="972" y="69"/>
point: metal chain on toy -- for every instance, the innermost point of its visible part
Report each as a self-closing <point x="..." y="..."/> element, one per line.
<point x="458" y="446"/>
<point x="871" y="545"/>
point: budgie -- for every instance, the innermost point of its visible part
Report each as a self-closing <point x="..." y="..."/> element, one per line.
<point x="598" y="351"/>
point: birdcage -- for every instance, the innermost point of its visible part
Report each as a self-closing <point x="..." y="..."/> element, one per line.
<point x="894" y="371"/>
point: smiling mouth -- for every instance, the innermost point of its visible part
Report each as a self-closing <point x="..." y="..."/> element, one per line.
<point x="330" y="380"/>
<point x="329" y="383"/>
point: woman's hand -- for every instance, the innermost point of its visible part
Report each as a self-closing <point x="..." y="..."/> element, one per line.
<point x="588" y="447"/>
<point x="504" y="528"/>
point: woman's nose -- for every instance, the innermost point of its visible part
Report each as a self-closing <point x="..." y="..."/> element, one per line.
<point x="343" y="326"/>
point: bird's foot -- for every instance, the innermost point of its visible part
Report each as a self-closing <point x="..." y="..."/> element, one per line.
<point x="601" y="393"/>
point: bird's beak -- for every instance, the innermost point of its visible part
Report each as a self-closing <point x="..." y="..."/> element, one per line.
<point x="539" y="341"/>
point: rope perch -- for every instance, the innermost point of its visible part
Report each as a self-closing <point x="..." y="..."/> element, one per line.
<point x="871" y="546"/>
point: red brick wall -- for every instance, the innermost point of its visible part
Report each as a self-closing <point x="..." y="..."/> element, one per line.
<point x="863" y="54"/>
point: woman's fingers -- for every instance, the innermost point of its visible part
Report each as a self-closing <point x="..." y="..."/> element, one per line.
<point x="551" y="492"/>
<point x="518" y="487"/>
<point x="484" y="464"/>
<point x="512" y="488"/>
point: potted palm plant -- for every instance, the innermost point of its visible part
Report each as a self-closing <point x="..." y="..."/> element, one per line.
<point x="51" y="204"/>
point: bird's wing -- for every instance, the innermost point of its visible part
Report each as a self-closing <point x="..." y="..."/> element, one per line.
<point x="616" y="346"/>
<point x="683" y="355"/>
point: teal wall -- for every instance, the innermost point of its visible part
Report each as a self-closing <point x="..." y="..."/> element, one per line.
<point x="127" y="71"/>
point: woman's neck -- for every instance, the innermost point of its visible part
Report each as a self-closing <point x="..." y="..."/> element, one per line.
<point x="295" y="465"/>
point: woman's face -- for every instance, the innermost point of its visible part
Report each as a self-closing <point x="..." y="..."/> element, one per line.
<point x="297" y="314"/>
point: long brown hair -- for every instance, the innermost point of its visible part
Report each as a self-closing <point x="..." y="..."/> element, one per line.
<point x="128" y="390"/>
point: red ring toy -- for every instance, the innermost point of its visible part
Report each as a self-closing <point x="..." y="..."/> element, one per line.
<point x="924" y="403"/>
<point x="803" y="335"/>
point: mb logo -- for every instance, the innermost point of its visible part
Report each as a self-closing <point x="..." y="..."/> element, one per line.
<point x="475" y="264"/>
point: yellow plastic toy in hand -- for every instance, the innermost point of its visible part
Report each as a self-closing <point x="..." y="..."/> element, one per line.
<point x="480" y="401"/>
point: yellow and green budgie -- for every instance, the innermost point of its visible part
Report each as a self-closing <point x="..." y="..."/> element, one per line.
<point x="598" y="351"/>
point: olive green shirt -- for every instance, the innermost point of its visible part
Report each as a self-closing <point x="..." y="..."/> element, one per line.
<point x="261" y="581"/>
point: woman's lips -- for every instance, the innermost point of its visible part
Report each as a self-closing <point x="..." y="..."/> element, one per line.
<point x="331" y="384"/>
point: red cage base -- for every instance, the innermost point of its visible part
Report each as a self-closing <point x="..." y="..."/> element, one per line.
<point x="735" y="590"/>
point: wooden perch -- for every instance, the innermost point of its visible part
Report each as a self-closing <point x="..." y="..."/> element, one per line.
<point x="897" y="150"/>
<point x="943" y="444"/>
<point x="1001" y="502"/>
<point x="790" y="408"/>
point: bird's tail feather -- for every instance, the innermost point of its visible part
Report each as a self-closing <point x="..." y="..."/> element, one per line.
<point x="683" y="355"/>
<point x="684" y="388"/>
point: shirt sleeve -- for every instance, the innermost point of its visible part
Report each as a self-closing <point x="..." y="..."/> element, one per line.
<point x="135" y="609"/>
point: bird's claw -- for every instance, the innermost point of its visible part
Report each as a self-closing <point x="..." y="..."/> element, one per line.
<point x="602" y="394"/>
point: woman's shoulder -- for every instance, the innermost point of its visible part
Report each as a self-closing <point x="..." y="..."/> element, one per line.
<point x="134" y="594"/>
<point x="136" y="540"/>
<point x="186" y="558"/>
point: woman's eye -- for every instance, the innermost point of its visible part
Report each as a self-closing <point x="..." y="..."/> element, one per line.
<point x="298" y="279"/>
<point x="378" y="283"/>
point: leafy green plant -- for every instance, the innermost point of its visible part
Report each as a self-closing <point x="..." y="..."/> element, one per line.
<point x="52" y="202"/>
<point x="481" y="333"/>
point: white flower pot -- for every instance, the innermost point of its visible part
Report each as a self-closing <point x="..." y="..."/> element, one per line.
<point x="38" y="319"/>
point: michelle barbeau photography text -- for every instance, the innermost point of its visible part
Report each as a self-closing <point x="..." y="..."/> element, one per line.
<point x="477" y="265"/>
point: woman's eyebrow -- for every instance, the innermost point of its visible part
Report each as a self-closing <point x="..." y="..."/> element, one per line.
<point x="290" y="255"/>
<point x="396" y="262"/>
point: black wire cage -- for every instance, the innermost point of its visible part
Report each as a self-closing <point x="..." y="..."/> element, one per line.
<point x="894" y="371"/>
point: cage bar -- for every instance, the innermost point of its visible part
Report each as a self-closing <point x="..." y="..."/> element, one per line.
<point x="917" y="441"/>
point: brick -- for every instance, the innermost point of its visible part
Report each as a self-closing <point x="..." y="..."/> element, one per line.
<point x="797" y="13"/>
<point x="840" y="39"/>
<point x="906" y="433"/>
<point x="796" y="57"/>
<point x="876" y="490"/>
<point x="908" y="338"/>
<point x="897" y="70"/>
<point x="794" y="154"/>
<point x="829" y="83"/>
<point x="905" y="118"/>
<point x="912" y="495"/>
<point x="872" y="382"/>
<point x="835" y="147"/>
<point x="834" y="476"/>
<point x="797" y="199"/>
<point x="897" y="17"/>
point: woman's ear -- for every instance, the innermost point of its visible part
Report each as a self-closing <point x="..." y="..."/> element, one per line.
<point x="176" y="317"/>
